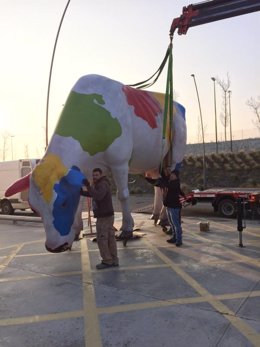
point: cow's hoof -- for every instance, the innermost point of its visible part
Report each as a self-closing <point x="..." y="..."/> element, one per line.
<point x="127" y="233"/>
<point x="155" y="218"/>
<point x="163" y="223"/>
<point x="77" y="237"/>
<point x="125" y="236"/>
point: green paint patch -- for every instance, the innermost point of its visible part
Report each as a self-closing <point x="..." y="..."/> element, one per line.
<point x="87" y="121"/>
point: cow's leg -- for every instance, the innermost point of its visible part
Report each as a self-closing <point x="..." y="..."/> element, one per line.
<point x="159" y="212"/>
<point x="163" y="219"/>
<point x="120" y="176"/>
<point x="157" y="204"/>
<point x="78" y="222"/>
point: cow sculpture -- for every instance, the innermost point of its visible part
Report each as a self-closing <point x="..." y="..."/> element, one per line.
<point x="103" y="124"/>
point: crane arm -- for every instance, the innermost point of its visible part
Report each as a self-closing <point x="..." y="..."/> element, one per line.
<point x="211" y="11"/>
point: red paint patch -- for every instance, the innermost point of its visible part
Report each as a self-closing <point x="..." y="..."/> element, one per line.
<point x="145" y="106"/>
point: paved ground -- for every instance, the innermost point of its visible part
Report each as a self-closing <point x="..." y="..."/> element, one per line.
<point x="206" y="293"/>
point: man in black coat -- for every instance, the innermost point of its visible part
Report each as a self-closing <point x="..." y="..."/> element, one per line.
<point x="171" y="201"/>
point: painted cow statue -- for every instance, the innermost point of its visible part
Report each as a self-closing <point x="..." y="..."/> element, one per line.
<point x="103" y="124"/>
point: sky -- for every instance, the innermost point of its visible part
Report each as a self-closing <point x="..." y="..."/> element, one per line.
<point x="125" y="40"/>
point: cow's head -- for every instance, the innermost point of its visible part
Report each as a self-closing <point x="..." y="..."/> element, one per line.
<point x="54" y="192"/>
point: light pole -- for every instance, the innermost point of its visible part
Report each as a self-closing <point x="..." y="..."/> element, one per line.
<point x="202" y="132"/>
<point x="215" y="109"/>
<point x="12" y="146"/>
<point x="230" y="123"/>
<point x="50" y="74"/>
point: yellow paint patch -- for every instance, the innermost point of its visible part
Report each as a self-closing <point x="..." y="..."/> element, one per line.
<point x="160" y="97"/>
<point x="47" y="173"/>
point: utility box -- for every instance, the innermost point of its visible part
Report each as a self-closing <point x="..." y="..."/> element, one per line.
<point x="11" y="171"/>
<point x="204" y="226"/>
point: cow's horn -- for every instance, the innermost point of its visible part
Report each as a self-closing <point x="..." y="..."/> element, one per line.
<point x="18" y="186"/>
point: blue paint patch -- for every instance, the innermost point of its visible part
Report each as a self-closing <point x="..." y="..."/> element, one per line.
<point x="67" y="200"/>
<point x="181" y="109"/>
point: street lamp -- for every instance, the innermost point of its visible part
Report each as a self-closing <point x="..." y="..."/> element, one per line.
<point x="215" y="108"/>
<point x="202" y="131"/>
<point x="11" y="136"/>
<point x="50" y="75"/>
<point x="230" y="123"/>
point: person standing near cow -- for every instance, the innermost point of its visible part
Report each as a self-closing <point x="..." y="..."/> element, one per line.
<point x="171" y="201"/>
<point x="104" y="213"/>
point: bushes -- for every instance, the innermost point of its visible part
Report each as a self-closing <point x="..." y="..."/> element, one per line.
<point x="240" y="169"/>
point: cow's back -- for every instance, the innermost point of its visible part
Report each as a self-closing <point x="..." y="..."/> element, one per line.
<point x="113" y="123"/>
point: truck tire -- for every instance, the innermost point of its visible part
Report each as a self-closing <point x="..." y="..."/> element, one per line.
<point x="6" y="207"/>
<point x="227" y="208"/>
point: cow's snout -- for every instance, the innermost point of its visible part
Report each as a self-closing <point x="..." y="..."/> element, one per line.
<point x="59" y="249"/>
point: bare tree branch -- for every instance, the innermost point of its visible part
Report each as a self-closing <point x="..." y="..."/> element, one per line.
<point x="225" y="86"/>
<point x="255" y="107"/>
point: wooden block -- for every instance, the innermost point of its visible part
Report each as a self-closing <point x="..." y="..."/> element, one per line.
<point x="204" y="226"/>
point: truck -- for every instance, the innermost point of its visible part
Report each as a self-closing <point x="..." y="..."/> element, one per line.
<point x="224" y="200"/>
<point x="10" y="171"/>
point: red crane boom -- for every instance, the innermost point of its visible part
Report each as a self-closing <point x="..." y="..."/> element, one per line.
<point x="211" y="11"/>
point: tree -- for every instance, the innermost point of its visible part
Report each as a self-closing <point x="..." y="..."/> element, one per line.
<point x="224" y="116"/>
<point x="255" y="107"/>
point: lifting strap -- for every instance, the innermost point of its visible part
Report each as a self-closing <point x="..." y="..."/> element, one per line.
<point x="168" y="115"/>
<point x="168" y="104"/>
<point x="147" y="83"/>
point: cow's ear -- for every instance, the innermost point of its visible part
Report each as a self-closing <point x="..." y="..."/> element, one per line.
<point x="75" y="176"/>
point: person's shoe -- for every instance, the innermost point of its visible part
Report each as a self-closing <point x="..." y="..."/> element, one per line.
<point x="102" y="266"/>
<point x="172" y="240"/>
<point x="178" y="244"/>
<point x="115" y="264"/>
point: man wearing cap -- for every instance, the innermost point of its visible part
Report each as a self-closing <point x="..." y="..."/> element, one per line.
<point x="173" y="206"/>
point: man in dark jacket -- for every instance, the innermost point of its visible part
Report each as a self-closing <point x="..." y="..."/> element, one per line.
<point x="104" y="213"/>
<point x="172" y="202"/>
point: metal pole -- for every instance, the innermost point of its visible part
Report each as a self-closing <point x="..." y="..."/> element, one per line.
<point x="230" y="123"/>
<point x="12" y="147"/>
<point x="240" y="216"/>
<point x="215" y="109"/>
<point x="50" y="74"/>
<point x="202" y="131"/>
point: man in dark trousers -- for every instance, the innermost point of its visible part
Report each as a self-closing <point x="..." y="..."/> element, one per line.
<point x="171" y="200"/>
<point x="104" y="213"/>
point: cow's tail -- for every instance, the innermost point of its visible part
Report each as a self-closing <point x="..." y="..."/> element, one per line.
<point x="18" y="186"/>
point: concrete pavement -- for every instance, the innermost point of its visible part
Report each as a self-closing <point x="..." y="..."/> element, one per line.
<point x="206" y="293"/>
